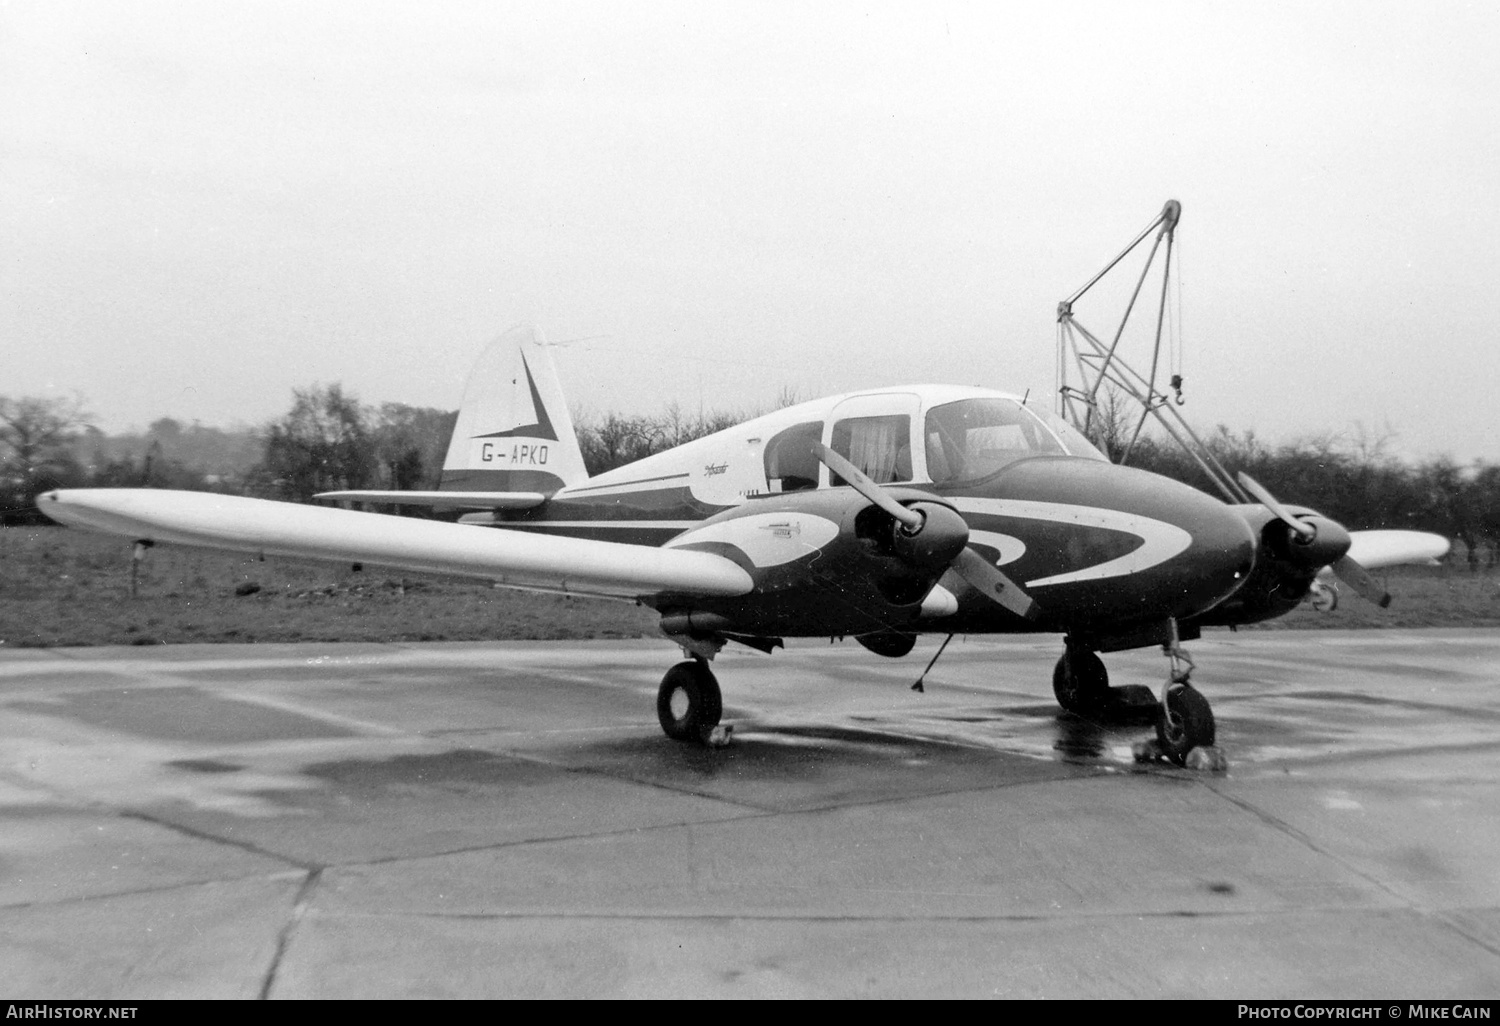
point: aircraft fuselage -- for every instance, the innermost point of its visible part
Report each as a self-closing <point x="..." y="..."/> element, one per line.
<point x="1100" y="548"/>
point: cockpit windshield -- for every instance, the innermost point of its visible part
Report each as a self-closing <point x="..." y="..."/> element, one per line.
<point x="973" y="438"/>
<point x="1073" y="439"/>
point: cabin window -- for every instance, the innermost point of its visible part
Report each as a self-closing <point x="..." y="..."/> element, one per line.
<point x="790" y="463"/>
<point x="974" y="438"/>
<point x="879" y="446"/>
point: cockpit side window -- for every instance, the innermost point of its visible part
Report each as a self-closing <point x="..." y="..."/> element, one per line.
<point x="974" y="438"/>
<point x="790" y="463"/>
<point x="879" y="446"/>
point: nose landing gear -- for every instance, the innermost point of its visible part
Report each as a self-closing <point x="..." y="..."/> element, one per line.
<point x="1184" y="722"/>
<point x="1185" y="731"/>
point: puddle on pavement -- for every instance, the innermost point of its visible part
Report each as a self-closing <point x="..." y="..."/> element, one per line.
<point x="205" y="766"/>
<point x="458" y="770"/>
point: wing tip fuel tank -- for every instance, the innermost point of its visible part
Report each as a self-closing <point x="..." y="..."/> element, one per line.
<point x="262" y="526"/>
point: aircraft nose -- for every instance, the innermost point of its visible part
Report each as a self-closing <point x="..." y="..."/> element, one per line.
<point x="1141" y="547"/>
<point x="1215" y="545"/>
<point x="1221" y="555"/>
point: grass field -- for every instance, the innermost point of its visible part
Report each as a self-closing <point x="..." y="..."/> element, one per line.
<point x="66" y="587"/>
<point x="60" y="587"/>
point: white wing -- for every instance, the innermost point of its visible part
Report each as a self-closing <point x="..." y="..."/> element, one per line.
<point x="570" y="565"/>
<point x="1372" y="549"/>
<point x="457" y="500"/>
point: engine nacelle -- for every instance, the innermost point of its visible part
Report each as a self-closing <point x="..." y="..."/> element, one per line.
<point x="825" y="561"/>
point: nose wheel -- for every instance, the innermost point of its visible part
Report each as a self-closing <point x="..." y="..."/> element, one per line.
<point x="1186" y="722"/>
<point x="689" y="704"/>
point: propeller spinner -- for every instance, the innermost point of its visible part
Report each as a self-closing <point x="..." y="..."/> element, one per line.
<point x="917" y="520"/>
<point x="1314" y="533"/>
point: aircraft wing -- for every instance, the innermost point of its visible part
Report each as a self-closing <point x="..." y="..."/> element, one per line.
<point x="1372" y="549"/>
<point x="461" y="500"/>
<point x="262" y="527"/>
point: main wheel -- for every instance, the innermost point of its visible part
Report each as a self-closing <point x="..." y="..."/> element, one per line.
<point x="1080" y="682"/>
<point x="688" y="703"/>
<point x="1187" y="723"/>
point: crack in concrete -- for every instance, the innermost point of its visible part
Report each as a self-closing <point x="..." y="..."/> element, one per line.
<point x="203" y="835"/>
<point x="765" y="917"/>
<point x="299" y="909"/>
<point x="131" y="892"/>
<point x="1438" y="915"/>
<point x="1306" y="840"/>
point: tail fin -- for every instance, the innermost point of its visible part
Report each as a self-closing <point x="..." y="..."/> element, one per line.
<point x="513" y="433"/>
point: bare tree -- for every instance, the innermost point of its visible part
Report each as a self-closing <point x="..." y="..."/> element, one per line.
<point x="322" y="444"/>
<point x="36" y="442"/>
<point x="1112" y="422"/>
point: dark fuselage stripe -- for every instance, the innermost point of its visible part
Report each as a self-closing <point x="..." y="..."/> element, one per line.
<point x="622" y="484"/>
<point x="637" y="533"/>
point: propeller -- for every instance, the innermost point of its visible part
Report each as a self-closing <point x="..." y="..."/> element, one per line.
<point x="968" y="563"/>
<point x="1307" y="530"/>
<point x="1358" y="578"/>
<point x="1255" y="488"/>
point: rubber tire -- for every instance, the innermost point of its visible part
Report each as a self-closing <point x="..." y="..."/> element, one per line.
<point x="1188" y="723"/>
<point x="1081" y="683"/>
<point x="705" y="705"/>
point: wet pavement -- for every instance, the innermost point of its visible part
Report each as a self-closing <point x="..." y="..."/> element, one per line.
<point x="508" y="820"/>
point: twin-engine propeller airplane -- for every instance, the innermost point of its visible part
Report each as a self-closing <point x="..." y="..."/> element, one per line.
<point x="882" y="515"/>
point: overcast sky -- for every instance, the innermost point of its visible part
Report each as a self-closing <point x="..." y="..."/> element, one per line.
<point x="205" y="205"/>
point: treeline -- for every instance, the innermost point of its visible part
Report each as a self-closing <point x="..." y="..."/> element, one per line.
<point x="1356" y="483"/>
<point x="329" y="440"/>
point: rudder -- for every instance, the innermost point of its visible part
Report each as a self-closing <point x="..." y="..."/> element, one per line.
<point x="513" y="433"/>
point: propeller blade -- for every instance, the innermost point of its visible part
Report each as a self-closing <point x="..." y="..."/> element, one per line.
<point x="862" y="484"/>
<point x="987" y="578"/>
<point x="1268" y="500"/>
<point x="968" y="564"/>
<point x="1358" y="578"/>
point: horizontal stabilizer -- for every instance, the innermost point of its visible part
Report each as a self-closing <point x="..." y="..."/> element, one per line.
<point x="457" y="500"/>
<point x="263" y="527"/>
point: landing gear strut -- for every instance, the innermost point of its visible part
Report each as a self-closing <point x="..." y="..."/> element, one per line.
<point x="689" y="704"/>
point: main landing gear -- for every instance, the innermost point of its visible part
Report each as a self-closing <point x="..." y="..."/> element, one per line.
<point x="689" y="704"/>
<point x="1081" y="684"/>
